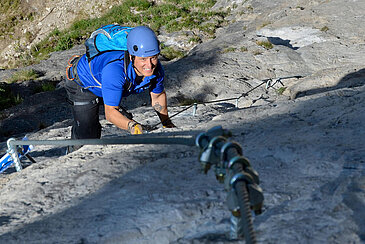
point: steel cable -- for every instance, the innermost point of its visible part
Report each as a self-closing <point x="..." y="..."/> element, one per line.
<point x="265" y="81"/>
<point x="140" y="139"/>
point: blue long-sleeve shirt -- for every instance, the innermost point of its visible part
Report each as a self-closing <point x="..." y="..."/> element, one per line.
<point x="108" y="71"/>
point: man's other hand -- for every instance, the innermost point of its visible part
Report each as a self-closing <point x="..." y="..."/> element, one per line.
<point x="168" y="124"/>
<point x="134" y="128"/>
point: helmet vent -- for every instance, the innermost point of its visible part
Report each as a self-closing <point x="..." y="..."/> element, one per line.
<point x="135" y="48"/>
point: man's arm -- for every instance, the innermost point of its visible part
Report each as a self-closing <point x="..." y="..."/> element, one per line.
<point x="113" y="115"/>
<point x="159" y="104"/>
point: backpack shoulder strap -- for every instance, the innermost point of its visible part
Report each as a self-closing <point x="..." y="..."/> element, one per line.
<point x="126" y="60"/>
<point x="128" y="84"/>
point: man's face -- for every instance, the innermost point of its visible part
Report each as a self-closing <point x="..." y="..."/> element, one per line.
<point x="145" y="66"/>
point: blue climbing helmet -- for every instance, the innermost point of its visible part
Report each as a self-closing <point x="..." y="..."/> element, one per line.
<point x="142" y="42"/>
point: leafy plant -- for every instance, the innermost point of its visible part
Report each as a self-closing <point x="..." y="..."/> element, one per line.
<point x="265" y="44"/>
<point x="281" y="90"/>
<point x="23" y="75"/>
<point x="171" y="53"/>
<point x="48" y="86"/>
<point x="324" y="29"/>
<point x="195" y="39"/>
<point x="228" y="49"/>
<point x="45" y="87"/>
<point x="17" y="99"/>
<point x="7" y="98"/>
<point x="243" y="49"/>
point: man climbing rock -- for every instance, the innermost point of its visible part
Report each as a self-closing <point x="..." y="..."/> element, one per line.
<point x="112" y="75"/>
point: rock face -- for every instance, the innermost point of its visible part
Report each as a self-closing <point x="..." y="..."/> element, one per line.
<point x="303" y="133"/>
<point x="47" y="15"/>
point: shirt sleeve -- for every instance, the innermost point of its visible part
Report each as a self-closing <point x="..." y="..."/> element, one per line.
<point x="113" y="79"/>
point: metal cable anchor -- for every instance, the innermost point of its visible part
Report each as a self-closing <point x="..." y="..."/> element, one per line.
<point x="208" y="155"/>
<point x="12" y="150"/>
<point x="195" y="107"/>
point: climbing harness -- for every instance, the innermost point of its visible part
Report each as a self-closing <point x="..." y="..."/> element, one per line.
<point x="94" y="101"/>
<point x="71" y="69"/>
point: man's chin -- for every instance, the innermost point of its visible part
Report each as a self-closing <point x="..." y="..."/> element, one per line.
<point x="147" y="73"/>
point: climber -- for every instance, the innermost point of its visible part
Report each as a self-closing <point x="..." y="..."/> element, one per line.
<point x="109" y="77"/>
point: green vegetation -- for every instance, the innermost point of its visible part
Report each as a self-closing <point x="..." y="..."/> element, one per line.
<point x="7" y="98"/>
<point x="264" y="24"/>
<point x="8" y="5"/>
<point x="265" y="44"/>
<point x="250" y="8"/>
<point x="171" y="53"/>
<point x="23" y="75"/>
<point x="324" y="29"/>
<point x="281" y="90"/>
<point x="45" y="87"/>
<point x="243" y="49"/>
<point x="173" y="15"/>
<point x="17" y="99"/>
<point x="48" y="86"/>
<point x="228" y="50"/>
<point x="195" y="39"/>
<point x="188" y="101"/>
<point x="169" y="15"/>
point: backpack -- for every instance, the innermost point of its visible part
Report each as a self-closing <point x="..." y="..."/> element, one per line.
<point x="105" y="39"/>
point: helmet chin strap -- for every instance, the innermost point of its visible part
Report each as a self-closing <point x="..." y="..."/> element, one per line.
<point x="134" y="67"/>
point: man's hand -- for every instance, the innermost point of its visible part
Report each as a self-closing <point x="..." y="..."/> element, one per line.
<point x="134" y="128"/>
<point x="168" y="124"/>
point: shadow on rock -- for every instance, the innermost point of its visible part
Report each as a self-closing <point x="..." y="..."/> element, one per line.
<point x="36" y="112"/>
<point x="281" y="42"/>
<point x="351" y="80"/>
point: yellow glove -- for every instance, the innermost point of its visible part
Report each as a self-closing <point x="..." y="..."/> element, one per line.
<point x="134" y="128"/>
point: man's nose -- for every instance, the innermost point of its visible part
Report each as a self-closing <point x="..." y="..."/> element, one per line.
<point x="150" y="63"/>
